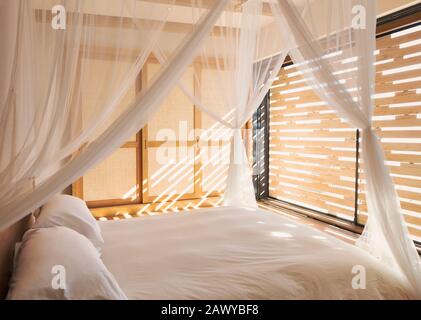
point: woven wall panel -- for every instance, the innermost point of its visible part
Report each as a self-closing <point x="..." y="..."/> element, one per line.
<point x="99" y="71"/>
<point x="113" y="178"/>
<point x="176" y="114"/>
<point x="170" y="170"/>
<point x="214" y="158"/>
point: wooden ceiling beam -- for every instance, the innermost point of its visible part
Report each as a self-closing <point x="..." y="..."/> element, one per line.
<point x="129" y="23"/>
<point x="266" y="10"/>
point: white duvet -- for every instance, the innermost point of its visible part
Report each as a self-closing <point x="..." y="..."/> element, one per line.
<point x="237" y="253"/>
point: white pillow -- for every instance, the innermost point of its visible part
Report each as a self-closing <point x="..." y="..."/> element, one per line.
<point x="59" y="263"/>
<point x="71" y="212"/>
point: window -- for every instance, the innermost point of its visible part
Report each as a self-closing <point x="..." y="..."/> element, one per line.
<point x="314" y="157"/>
<point x="180" y="155"/>
<point x="114" y="181"/>
<point x="170" y="145"/>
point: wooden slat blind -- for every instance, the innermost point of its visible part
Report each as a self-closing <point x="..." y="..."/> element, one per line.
<point x="312" y="152"/>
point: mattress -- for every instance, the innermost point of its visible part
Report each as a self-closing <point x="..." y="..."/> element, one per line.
<point x="238" y="253"/>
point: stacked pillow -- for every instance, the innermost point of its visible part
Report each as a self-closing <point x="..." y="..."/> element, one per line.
<point x="59" y="257"/>
<point x="70" y="212"/>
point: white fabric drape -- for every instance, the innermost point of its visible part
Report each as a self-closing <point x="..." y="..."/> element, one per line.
<point x="23" y="196"/>
<point x="246" y="81"/>
<point x="238" y="63"/>
<point x="59" y="64"/>
<point x="46" y="94"/>
<point x="326" y="35"/>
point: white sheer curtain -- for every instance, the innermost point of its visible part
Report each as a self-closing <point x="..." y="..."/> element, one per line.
<point x="50" y="70"/>
<point x="43" y="97"/>
<point x="325" y="35"/>
<point x="238" y="62"/>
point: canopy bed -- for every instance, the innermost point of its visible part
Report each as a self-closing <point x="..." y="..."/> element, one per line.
<point x="48" y="140"/>
<point x="254" y="254"/>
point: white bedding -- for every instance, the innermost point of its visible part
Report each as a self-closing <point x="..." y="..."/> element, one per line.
<point x="234" y="253"/>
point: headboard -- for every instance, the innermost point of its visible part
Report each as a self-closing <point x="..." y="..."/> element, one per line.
<point x="8" y="239"/>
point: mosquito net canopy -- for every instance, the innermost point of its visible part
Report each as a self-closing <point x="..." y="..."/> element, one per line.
<point x="52" y="129"/>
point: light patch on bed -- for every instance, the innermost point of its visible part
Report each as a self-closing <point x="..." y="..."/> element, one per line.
<point x="279" y="234"/>
<point x="248" y="209"/>
<point x="319" y="237"/>
<point x="103" y="219"/>
<point x="261" y="222"/>
<point x="290" y="225"/>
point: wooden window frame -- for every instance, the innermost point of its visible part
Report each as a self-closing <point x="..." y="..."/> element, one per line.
<point x="142" y="144"/>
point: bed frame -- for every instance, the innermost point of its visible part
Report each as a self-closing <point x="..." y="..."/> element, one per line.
<point x="8" y="239"/>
